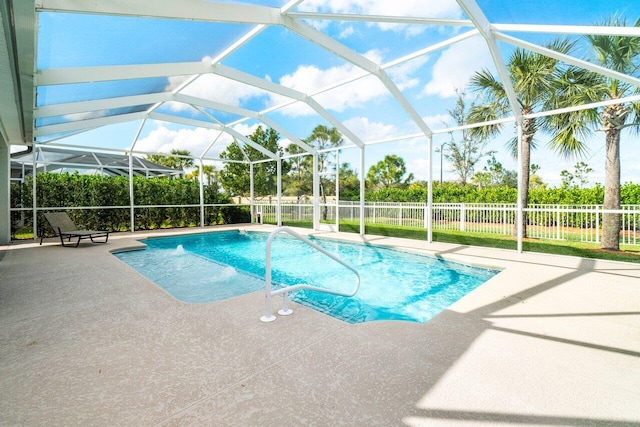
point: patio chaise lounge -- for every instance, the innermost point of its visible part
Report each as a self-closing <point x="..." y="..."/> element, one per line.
<point x="64" y="227"/>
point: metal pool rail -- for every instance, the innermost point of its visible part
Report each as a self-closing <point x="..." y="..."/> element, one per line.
<point x="285" y="311"/>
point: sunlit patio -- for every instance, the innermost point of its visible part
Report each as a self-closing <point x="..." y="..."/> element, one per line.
<point x="86" y="340"/>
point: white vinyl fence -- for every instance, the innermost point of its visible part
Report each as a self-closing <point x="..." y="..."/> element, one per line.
<point x="551" y="222"/>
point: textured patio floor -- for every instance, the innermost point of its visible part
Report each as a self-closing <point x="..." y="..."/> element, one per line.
<point x="85" y="340"/>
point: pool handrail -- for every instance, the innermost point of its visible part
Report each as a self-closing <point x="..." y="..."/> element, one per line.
<point x="285" y="311"/>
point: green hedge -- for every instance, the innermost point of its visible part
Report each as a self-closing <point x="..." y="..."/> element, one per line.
<point x="75" y="190"/>
<point x="454" y="193"/>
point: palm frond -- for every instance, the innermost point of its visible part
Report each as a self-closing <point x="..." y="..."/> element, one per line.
<point x="512" y="146"/>
<point x="487" y="84"/>
<point x="619" y="53"/>
<point x="634" y="117"/>
<point x="485" y="113"/>
<point x="533" y="74"/>
<point x="567" y="143"/>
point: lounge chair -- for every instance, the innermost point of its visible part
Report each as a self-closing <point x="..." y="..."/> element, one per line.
<point x="64" y="227"/>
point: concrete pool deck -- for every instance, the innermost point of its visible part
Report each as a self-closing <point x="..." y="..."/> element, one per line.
<point x="86" y="340"/>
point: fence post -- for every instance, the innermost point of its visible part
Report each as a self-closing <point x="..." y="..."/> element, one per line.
<point x="597" y="225"/>
<point x="558" y="222"/>
<point x="463" y="215"/>
<point x="504" y="219"/>
<point x="424" y="216"/>
<point x="400" y="216"/>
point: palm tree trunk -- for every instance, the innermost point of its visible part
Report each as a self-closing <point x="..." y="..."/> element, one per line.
<point x="611" y="221"/>
<point x="324" y="201"/>
<point x="528" y="130"/>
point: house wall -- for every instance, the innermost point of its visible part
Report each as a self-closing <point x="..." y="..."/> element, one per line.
<point x="5" y="201"/>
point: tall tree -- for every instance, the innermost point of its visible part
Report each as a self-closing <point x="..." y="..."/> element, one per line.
<point x="464" y="153"/>
<point x="235" y="178"/>
<point x="349" y="181"/>
<point x="532" y="77"/>
<point x="535" y="181"/>
<point x="579" y="178"/>
<point x="299" y="180"/>
<point x="390" y="172"/>
<point x="494" y="174"/>
<point x="323" y="137"/>
<point x="578" y="86"/>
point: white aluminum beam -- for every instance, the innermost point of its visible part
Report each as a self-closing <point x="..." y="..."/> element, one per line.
<point x="287" y="92"/>
<point x="215" y="126"/>
<point x="321" y="39"/>
<point x="87" y="124"/>
<point x="199" y="102"/>
<point x="334" y="122"/>
<point x="58" y="76"/>
<point x="380" y="18"/>
<point x="242" y="77"/>
<point x="192" y="10"/>
<point x="349" y="55"/>
<point x="249" y="142"/>
<point x="184" y="121"/>
<point x="206" y="150"/>
<point x="481" y="22"/>
<point x="430" y="49"/>
<point x="99" y="104"/>
<point x="633" y="98"/>
<point x="294" y="139"/>
<point x="239" y="43"/>
<point x="569" y="59"/>
<point x="578" y="30"/>
<point x="214" y="105"/>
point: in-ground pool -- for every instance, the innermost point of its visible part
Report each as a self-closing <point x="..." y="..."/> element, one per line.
<point x="395" y="285"/>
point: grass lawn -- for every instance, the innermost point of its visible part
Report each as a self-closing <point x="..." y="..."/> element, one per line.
<point x="557" y="247"/>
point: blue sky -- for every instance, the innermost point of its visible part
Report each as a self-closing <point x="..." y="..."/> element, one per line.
<point x="364" y="106"/>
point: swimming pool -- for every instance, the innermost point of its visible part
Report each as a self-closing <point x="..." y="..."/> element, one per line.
<point x="395" y="285"/>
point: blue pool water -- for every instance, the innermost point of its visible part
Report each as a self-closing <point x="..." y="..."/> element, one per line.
<point x="395" y="285"/>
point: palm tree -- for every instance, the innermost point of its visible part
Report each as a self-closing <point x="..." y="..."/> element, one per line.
<point x="532" y="76"/>
<point x="300" y="173"/>
<point x="208" y="171"/>
<point x="174" y="160"/>
<point x="577" y="87"/>
<point x="323" y="137"/>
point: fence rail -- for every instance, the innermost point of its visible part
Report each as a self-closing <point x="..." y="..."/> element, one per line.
<point x="582" y="223"/>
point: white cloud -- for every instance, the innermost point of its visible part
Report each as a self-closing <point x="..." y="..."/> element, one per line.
<point x="245" y="129"/>
<point x="438" y="121"/>
<point x="310" y="79"/>
<point x="370" y="131"/>
<point x="456" y="65"/>
<point x="347" y="32"/>
<point x="402" y="74"/>
<point x="435" y="9"/>
<point x="163" y="140"/>
<point x="419" y="166"/>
